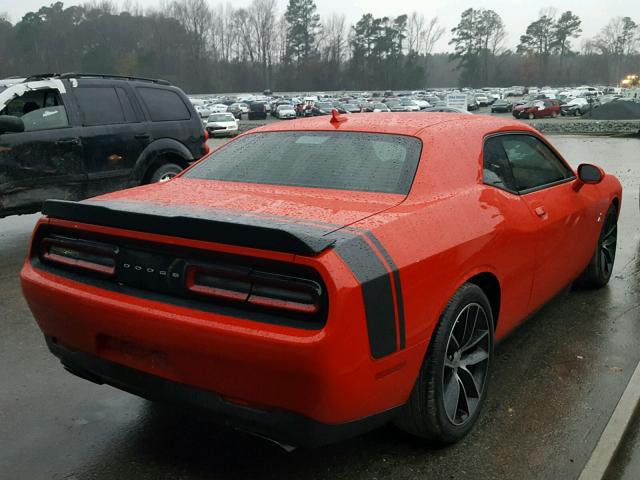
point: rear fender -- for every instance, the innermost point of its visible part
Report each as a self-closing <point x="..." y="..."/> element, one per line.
<point x="158" y="152"/>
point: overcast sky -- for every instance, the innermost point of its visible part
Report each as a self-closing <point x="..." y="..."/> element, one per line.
<point x="516" y="14"/>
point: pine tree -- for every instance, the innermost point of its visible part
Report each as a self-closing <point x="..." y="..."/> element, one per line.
<point x="303" y="27"/>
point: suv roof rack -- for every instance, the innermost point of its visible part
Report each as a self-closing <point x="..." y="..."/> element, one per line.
<point x="41" y="76"/>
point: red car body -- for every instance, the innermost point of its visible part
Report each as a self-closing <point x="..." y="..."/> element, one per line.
<point x="537" y="109"/>
<point x="389" y="263"/>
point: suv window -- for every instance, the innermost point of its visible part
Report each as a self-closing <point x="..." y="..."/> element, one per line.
<point x="164" y="105"/>
<point x="45" y="119"/>
<point x="521" y="162"/>
<point x="337" y="160"/>
<point x="104" y="105"/>
<point x="32" y="100"/>
<point x="39" y="110"/>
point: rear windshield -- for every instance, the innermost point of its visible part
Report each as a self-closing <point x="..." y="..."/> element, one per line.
<point x="339" y="160"/>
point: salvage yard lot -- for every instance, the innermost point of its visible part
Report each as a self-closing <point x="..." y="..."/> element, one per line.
<point x="556" y="382"/>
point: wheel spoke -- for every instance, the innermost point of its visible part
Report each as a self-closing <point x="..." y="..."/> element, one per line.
<point x="470" y="331"/>
<point x="470" y="386"/>
<point x="451" y="397"/>
<point x="475" y="341"/>
<point x="612" y="231"/>
<point x="463" y="401"/>
<point x="474" y="358"/>
<point x="461" y="324"/>
<point x="610" y="243"/>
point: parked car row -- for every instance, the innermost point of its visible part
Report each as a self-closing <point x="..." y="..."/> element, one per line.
<point x="530" y="102"/>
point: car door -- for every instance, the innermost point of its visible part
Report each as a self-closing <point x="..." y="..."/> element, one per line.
<point x="114" y="134"/>
<point x="43" y="161"/>
<point x="566" y="233"/>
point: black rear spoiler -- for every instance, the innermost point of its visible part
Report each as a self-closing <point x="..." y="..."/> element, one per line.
<point x="241" y="229"/>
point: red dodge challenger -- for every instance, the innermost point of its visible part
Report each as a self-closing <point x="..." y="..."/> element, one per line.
<point x="312" y="280"/>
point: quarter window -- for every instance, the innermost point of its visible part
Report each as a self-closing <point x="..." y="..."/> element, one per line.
<point x="163" y="104"/>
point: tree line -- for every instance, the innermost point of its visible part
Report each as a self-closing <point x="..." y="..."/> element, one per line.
<point x="222" y="48"/>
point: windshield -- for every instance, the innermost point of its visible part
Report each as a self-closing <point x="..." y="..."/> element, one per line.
<point x="221" y="118"/>
<point x="337" y="160"/>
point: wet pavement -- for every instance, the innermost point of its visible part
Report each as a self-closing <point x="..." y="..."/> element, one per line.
<point x="626" y="463"/>
<point x="556" y="381"/>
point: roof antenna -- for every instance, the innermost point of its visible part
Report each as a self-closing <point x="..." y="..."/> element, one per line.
<point x="336" y="117"/>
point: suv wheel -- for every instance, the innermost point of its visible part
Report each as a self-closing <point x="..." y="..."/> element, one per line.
<point x="165" y="172"/>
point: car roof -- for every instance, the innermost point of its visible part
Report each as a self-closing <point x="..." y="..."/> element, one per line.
<point x="406" y="123"/>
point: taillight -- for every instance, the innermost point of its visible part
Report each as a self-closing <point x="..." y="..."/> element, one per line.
<point x="79" y="254"/>
<point x="284" y="292"/>
<point x="205" y="145"/>
<point x="219" y="282"/>
<point x="255" y="287"/>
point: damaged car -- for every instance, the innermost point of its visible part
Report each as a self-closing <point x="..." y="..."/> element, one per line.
<point x="72" y="136"/>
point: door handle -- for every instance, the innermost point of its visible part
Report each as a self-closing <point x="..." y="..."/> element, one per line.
<point x="68" y="141"/>
<point x="540" y="211"/>
<point x="142" y="136"/>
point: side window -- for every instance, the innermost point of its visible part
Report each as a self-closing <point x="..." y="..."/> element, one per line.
<point x="39" y="110"/>
<point x="45" y="119"/>
<point x="532" y="163"/>
<point x="163" y="104"/>
<point x="104" y="105"/>
<point x="496" y="169"/>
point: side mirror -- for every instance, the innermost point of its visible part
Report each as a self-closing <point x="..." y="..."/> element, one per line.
<point x="588" y="174"/>
<point x="11" y="124"/>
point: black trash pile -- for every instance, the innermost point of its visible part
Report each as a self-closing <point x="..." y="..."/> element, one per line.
<point x="619" y="109"/>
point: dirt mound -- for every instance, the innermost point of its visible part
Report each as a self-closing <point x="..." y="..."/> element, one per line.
<point x="617" y="110"/>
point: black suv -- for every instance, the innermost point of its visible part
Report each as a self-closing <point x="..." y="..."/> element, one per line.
<point x="257" y="111"/>
<point x="74" y="136"/>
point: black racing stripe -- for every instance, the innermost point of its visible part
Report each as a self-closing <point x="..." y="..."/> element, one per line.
<point x="376" y="291"/>
<point x="396" y="280"/>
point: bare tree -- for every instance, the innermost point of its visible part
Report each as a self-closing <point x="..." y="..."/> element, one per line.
<point x="333" y="41"/>
<point x="618" y="40"/>
<point x="262" y="16"/>
<point x="196" y="17"/>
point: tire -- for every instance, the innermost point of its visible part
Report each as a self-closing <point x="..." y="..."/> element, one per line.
<point x="427" y="413"/>
<point x="554" y="114"/>
<point x="598" y="272"/>
<point x="531" y="116"/>
<point x="165" y="172"/>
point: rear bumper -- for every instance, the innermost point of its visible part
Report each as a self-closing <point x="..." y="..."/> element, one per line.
<point x="325" y="376"/>
<point x="282" y="426"/>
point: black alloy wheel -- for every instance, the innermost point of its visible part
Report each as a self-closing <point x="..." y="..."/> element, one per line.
<point x="466" y="364"/>
<point x="600" y="268"/>
<point x="452" y="384"/>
